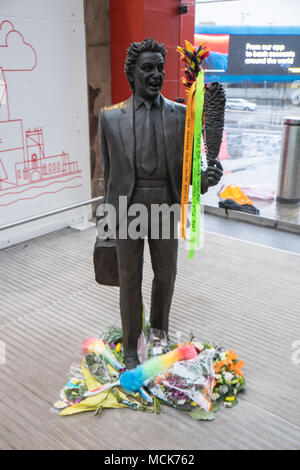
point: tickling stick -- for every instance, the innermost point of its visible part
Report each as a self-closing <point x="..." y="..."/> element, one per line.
<point x="133" y="380"/>
<point x="194" y="83"/>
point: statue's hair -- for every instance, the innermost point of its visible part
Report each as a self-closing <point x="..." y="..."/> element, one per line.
<point x="137" y="48"/>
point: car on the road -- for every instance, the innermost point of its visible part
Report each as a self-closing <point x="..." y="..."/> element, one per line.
<point x="241" y="104"/>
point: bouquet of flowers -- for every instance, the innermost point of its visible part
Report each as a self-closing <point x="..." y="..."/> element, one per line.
<point x="199" y="385"/>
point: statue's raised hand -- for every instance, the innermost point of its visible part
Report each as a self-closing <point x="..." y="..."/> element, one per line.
<point x="212" y="174"/>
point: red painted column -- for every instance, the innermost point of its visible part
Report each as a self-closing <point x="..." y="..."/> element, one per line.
<point x="187" y="31"/>
<point x="134" y="20"/>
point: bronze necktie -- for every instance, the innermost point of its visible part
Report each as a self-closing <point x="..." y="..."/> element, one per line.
<point x="149" y="156"/>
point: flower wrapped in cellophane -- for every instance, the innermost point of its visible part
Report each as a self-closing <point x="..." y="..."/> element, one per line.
<point x="193" y="377"/>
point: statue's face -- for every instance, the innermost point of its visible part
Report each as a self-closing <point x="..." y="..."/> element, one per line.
<point x="149" y="75"/>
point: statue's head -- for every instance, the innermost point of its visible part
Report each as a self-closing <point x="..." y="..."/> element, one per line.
<point x="144" y="67"/>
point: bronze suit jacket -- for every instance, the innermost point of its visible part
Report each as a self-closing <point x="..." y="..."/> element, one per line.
<point x="118" y="153"/>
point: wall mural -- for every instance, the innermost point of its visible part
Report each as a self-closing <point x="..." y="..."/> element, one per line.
<point x="26" y="172"/>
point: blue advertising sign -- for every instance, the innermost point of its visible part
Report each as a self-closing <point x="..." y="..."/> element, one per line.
<point x="239" y="53"/>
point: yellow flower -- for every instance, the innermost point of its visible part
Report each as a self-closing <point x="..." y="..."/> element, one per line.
<point x="232" y="398"/>
<point x="193" y="403"/>
<point x="118" y="347"/>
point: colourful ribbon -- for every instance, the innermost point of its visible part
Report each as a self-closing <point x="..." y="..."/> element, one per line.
<point x="187" y="157"/>
<point x="196" y="179"/>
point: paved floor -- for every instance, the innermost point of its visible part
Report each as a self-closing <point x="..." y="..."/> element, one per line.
<point x="246" y="294"/>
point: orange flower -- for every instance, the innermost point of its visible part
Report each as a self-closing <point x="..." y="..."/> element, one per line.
<point x="229" y="362"/>
<point x="218" y="366"/>
<point x="231" y="356"/>
<point x="237" y="366"/>
<point x="159" y="380"/>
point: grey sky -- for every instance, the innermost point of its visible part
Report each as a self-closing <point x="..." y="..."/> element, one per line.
<point x="250" y="12"/>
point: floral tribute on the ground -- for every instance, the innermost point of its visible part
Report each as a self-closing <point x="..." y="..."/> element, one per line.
<point x="195" y="377"/>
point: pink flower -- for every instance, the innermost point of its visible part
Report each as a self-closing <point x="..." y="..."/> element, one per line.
<point x="91" y="345"/>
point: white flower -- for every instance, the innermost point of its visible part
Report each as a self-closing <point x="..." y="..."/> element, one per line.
<point x="215" y="396"/>
<point x="181" y="402"/>
<point x="223" y="356"/>
<point x="228" y="376"/>
<point x="218" y="376"/>
<point x="223" y="388"/>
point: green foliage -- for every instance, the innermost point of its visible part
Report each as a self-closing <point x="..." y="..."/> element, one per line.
<point x="192" y="337"/>
<point x="98" y="411"/>
<point x="156" y="403"/>
<point x="215" y="406"/>
<point x="203" y="415"/>
<point x="113" y="334"/>
<point x="241" y="385"/>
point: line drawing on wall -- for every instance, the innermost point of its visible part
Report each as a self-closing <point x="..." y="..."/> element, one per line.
<point x="25" y="169"/>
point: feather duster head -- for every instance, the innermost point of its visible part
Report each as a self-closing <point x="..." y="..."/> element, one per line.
<point x="192" y="59"/>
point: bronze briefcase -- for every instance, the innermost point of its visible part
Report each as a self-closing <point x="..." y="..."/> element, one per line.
<point x="106" y="262"/>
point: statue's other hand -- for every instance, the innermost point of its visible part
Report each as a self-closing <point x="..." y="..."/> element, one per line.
<point x="213" y="173"/>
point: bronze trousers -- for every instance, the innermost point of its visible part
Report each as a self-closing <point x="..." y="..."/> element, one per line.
<point x="130" y="253"/>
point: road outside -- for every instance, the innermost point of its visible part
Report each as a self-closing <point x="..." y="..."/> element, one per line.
<point x="269" y="116"/>
<point x="250" y="151"/>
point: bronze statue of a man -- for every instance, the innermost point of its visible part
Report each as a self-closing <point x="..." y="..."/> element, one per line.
<point x="142" y="143"/>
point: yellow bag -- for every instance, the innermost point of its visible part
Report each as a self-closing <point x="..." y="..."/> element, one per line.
<point x="236" y="194"/>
